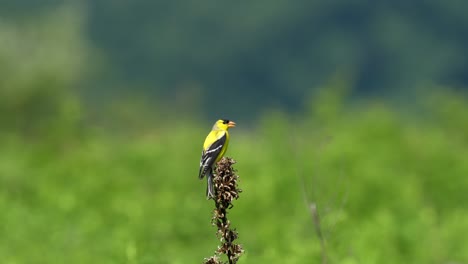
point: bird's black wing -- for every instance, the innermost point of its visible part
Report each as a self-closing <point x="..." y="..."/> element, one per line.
<point x="210" y="154"/>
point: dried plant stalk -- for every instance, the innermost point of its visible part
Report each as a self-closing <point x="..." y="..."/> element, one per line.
<point x="226" y="190"/>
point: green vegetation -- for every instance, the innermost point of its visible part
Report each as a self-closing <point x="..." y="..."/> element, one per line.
<point x="115" y="181"/>
<point x="389" y="189"/>
<point x="275" y="51"/>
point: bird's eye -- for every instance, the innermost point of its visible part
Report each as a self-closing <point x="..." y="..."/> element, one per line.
<point x="225" y="121"/>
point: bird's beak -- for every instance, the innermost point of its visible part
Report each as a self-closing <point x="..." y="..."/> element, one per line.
<point x="232" y="124"/>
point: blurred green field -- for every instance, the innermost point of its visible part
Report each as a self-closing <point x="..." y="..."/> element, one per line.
<point x="96" y="167"/>
<point x="390" y="188"/>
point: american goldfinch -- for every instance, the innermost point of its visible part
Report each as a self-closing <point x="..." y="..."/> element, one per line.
<point x="215" y="146"/>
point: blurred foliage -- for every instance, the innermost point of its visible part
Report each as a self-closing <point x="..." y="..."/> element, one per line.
<point x="274" y="53"/>
<point x="41" y="62"/>
<point x="265" y="54"/>
<point x="389" y="189"/>
<point x="389" y="184"/>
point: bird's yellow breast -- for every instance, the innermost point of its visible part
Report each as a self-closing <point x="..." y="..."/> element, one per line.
<point x="212" y="137"/>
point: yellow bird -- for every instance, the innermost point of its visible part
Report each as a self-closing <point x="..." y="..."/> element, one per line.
<point x="215" y="146"/>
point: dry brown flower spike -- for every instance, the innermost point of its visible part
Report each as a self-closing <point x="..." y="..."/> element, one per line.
<point x="226" y="190"/>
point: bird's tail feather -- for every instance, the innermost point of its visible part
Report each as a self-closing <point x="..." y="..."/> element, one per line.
<point x="210" y="192"/>
<point x="200" y="172"/>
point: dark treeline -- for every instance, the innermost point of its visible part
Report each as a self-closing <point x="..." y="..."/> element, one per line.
<point x="272" y="53"/>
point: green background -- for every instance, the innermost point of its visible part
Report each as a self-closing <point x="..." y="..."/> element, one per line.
<point x="99" y="165"/>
